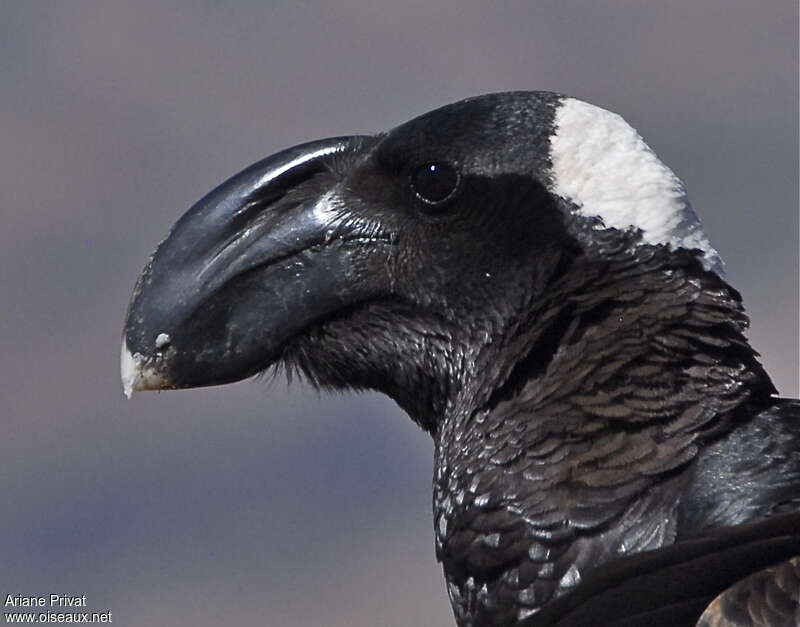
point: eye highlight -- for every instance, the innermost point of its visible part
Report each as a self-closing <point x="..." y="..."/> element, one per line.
<point x="435" y="182"/>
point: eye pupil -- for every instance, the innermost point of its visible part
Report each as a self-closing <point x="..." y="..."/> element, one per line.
<point x="434" y="182"/>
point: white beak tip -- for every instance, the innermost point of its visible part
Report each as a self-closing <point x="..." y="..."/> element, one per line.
<point x="137" y="374"/>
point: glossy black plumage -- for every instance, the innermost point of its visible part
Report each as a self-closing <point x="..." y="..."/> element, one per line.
<point x="603" y="429"/>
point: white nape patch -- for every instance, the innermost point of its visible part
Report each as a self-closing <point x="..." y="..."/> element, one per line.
<point x="136" y="375"/>
<point x="602" y="165"/>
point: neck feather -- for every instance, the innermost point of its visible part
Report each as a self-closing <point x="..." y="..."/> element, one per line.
<point x="573" y="451"/>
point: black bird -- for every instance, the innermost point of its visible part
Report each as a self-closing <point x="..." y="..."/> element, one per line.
<point x="525" y="278"/>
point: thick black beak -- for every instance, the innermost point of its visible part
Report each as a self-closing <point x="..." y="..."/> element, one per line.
<point x="257" y="260"/>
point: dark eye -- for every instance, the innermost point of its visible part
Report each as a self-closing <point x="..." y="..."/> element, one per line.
<point x="433" y="183"/>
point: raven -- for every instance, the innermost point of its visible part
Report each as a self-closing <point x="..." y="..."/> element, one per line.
<point x="529" y="282"/>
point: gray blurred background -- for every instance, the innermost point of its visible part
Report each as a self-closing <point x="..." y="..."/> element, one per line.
<point x="255" y="504"/>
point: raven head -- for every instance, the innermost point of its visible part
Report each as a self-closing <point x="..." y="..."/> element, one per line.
<point x="389" y="262"/>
